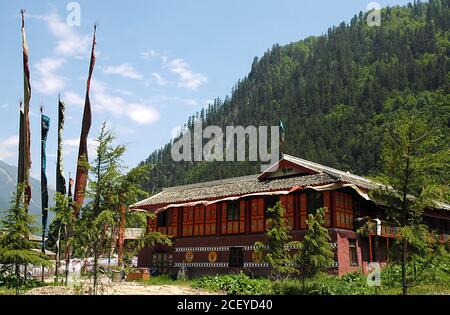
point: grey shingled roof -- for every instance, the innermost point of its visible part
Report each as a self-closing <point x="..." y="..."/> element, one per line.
<point x="231" y="187"/>
<point x="255" y="184"/>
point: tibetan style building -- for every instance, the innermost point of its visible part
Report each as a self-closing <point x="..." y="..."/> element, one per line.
<point x="215" y="224"/>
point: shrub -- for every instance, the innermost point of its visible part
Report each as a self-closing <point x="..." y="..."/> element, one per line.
<point x="234" y="284"/>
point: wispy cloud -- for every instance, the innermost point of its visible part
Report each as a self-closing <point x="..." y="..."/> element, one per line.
<point x="3" y="106"/>
<point x="48" y="82"/>
<point x="187" y="78"/>
<point x="69" y="42"/>
<point x="8" y="146"/>
<point x="116" y="105"/>
<point x="71" y="98"/>
<point x="150" y="54"/>
<point x="124" y="70"/>
<point x="159" y="79"/>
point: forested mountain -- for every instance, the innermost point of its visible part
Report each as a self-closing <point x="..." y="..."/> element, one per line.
<point x="334" y="93"/>
<point x="8" y="182"/>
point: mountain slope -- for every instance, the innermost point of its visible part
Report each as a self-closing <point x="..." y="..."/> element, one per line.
<point x="8" y="182"/>
<point x="334" y="93"/>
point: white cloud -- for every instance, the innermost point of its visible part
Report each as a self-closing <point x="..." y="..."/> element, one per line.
<point x="48" y="82"/>
<point x="159" y="79"/>
<point x="71" y="98"/>
<point x="69" y="42"/>
<point x="187" y="78"/>
<point x="149" y="54"/>
<point x="124" y="70"/>
<point x="142" y="114"/>
<point x="3" y="106"/>
<point x="8" y="147"/>
<point x="116" y="105"/>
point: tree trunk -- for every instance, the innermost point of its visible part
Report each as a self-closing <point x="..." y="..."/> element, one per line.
<point x="17" y="272"/>
<point x="120" y="240"/>
<point x="405" y="222"/>
<point x="58" y="254"/>
<point x="404" y="251"/>
<point x="68" y="254"/>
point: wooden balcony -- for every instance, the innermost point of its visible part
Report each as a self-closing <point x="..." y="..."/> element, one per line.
<point x="391" y="231"/>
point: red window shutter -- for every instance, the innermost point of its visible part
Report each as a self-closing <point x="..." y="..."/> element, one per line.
<point x="242" y="217"/>
<point x="290" y="210"/>
<point x="224" y="218"/>
<point x="303" y="211"/>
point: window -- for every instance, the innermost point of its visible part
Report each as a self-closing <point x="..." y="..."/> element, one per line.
<point x="188" y="221"/>
<point x="233" y="217"/>
<point x="199" y="221"/>
<point x="236" y="257"/>
<point x="315" y="201"/>
<point x="163" y="219"/>
<point x="353" y="252"/>
<point x="288" y="203"/>
<point x="344" y="209"/>
<point x="233" y="211"/>
<point x="257" y="215"/>
<point x="172" y="226"/>
<point x="210" y="220"/>
<point x="303" y="210"/>
<point x="270" y="203"/>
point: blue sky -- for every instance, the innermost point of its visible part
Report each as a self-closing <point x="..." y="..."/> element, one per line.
<point x="157" y="63"/>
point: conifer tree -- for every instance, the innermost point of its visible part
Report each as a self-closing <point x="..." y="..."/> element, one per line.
<point x="16" y="249"/>
<point x="315" y="251"/>
<point x="415" y="174"/>
<point x="278" y="233"/>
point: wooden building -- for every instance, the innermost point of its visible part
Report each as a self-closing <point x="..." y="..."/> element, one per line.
<point x="215" y="224"/>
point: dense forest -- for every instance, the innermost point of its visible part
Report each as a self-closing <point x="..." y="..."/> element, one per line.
<point x="334" y="93"/>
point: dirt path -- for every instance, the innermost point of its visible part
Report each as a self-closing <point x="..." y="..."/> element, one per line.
<point x="125" y="288"/>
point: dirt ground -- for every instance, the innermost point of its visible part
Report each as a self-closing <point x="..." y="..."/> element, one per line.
<point x="123" y="288"/>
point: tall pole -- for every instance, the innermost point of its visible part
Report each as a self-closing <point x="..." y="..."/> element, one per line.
<point x="45" y="125"/>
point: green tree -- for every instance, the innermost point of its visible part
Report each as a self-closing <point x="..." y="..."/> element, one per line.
<point x="315" y="252"/>
<point x="63" y="222"/>
<point x="110" y="191"/>
<point x="415" y="173"/>
<point x="16" y="249"/>
<point x="279" y="237"/>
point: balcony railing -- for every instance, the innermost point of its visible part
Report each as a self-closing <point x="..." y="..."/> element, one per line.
<point x="392" y="231"/>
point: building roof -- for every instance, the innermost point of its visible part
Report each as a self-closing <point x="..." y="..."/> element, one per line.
<point x="316" y="175"/>
<point x="290" y="172"/>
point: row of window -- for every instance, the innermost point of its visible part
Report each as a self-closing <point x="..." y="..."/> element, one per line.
<point x="251" y="215"/>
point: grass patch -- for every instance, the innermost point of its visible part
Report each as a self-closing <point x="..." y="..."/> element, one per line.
<point x="7" y="291"/>
<point x="234" y="284"/>
<point x="435" y="283"/>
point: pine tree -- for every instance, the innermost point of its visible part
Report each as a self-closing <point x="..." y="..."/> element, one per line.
<point x="278" y="233"/>
<point x="415" y="173"/>
<point x="315" y="251"/>
<point x="16" y="249"/>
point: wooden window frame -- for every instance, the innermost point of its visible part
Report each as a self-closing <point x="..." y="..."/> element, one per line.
<point x="353" y="250"/>
<point x="256" y="215"/>
<point x="343" y="210"/>
<point x="165" y="215"/>
<point x="318" y="202"/>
